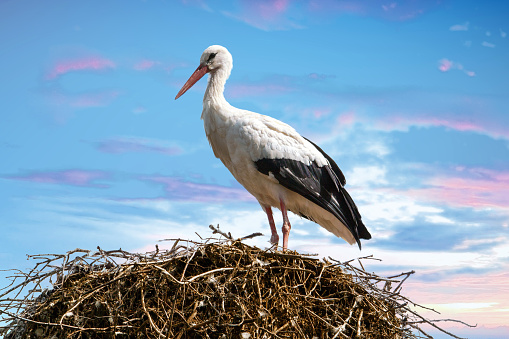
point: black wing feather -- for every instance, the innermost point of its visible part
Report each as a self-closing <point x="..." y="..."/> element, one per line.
<point x="321" y="185"/>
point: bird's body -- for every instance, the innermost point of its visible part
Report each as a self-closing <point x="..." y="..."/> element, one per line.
<point x="278" y="166"/>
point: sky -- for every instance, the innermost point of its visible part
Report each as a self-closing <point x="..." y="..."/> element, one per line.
<point x="409" y="97"/>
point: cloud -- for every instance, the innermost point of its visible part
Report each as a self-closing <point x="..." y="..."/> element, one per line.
<point x="475" y="187"/>
<point x="488" y="44"/>
<point x="363" y="175"/>
<point x="460" y="27"/>
<point x="403" y="123"/>
<point x="270" y="15"/>
<point x="502" y="33"/>
<point x="389" y="10"/>
<point x="81" y="64"/>
<point x="277" y="84"/>
<point x="445" y="65"/>
<point x="90" y="99"/>
<point x="388" y="206"/>
<point x="145" y="64"/>
<point x="73" y="177"/>
<point x="473" y="298"/>
<point x="139" y="109"/>
<point x="134" y="144"/>
<point x="266" y="15"/>
<point x="182" y="190"/>
<point x="62" y="99"/>
<point x="64" y="103"/>
<point x="491" y="124"/>
<point x="467" y="244"/>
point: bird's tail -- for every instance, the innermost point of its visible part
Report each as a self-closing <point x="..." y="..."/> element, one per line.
<point x="362" y="231"/>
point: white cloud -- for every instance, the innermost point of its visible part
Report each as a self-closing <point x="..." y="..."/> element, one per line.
<point x="364" y="175"/>
<point x="438" y="219"/>
<point x="488" y="44"/>
<point x="460" y="27"/>
<point x="380" y="205"/>
<point x="468" y="243"/>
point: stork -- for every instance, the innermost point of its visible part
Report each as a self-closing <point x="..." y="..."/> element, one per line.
<point x="278" y="166"/>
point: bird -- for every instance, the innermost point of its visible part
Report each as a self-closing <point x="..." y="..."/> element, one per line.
<point x="278" y="166"/>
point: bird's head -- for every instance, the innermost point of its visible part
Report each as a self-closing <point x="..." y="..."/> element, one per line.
<point x="213" y="60"/>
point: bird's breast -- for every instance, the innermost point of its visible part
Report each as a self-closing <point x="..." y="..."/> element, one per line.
<point x="216" y="129"/>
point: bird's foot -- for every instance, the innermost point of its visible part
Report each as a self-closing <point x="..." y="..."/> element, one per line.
<point x="274" y="239"/>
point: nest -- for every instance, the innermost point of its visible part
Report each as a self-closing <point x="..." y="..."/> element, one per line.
<point x="218" y="288"/>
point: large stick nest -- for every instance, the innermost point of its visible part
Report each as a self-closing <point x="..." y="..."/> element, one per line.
<point x="218" y="288"/>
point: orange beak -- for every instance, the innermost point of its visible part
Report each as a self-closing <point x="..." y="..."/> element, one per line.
<point x="197" y="75"/>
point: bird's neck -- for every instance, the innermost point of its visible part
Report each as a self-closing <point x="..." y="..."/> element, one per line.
<point x="214" y="94"/>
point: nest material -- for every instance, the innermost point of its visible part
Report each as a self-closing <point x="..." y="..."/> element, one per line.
<point x="215" y="289"/>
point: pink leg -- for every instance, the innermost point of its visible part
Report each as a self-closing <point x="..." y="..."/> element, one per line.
<point x="274" y="239"/>
<point x="286" y="225"/>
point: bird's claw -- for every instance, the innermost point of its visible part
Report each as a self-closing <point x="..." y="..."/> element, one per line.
<point x="274" y="239"/>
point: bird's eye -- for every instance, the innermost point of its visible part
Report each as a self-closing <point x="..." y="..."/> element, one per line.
<point x="211" y="56"/>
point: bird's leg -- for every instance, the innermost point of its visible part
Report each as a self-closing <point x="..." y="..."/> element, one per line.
<point x="286" y="225"/>
<point x="274" y="239"/>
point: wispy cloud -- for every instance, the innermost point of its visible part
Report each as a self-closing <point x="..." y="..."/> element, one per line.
<point x="445" y="65"/>
<point x="92" y="63"/>
<point x="265" y="15"/>
<point x="136" y="144"/>
<point x="91" y="99"/>
<point x="73" y="177"/>
<point x="460" y="27"/>
<point x="183" y="190"/>
<point x="270" y="15"/>
<point x="476" y="188"/>
<point x="488" y="44"/>
<point x="276" y="84"/>
<point x="403" y="123"/>
<point x="468" y="244"/>
<point x="145" y="64"/>
<point x="388" y="10"/>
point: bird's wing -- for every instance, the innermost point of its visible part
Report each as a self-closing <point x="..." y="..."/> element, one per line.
<point x="299" y="165"/>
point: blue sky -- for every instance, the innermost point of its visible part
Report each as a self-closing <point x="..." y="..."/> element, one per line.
<point x="409" y="97"/>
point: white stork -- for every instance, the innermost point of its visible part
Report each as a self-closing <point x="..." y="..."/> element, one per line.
<point x="279" y="167"/>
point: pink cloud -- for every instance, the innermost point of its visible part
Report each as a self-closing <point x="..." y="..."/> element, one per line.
<point x="346" y="119"/>
<point x="403" y="123"/>
<point x="265" y="14"/>
<point x="285" y="14"/>
<point x="264" y="10"/>
<point x="145" y="64"/>
<point x="88" y="63"/>
<point x="475" y="188"/>
<point x="476" y="299"/>
<point x="128" y="145"/>
<point x="83" y="178"/>
<point x="445" y="65"/>
<point x="180" y="189"/>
